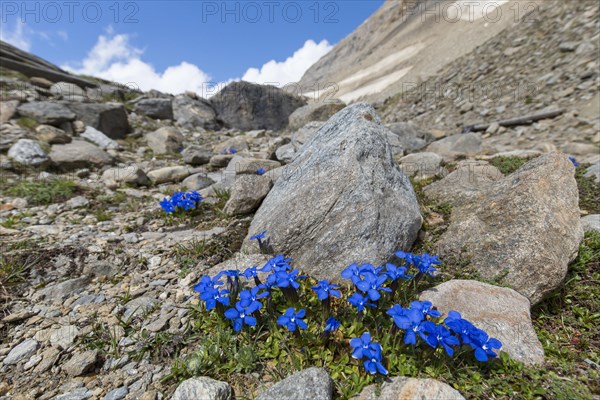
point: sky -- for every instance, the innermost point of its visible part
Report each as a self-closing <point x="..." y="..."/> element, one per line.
<point x="174" y="46"/>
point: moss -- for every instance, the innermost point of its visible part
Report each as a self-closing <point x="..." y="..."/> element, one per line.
<point x="508" y="165"/>
<point x="589" y="192"/>
<point x="26" y="122"/>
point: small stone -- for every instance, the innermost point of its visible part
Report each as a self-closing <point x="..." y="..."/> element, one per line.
<point x="81" y="363"/>
<point x="169" y="174"/>
<point x="197" y="182"/>
<point x="203" y="388"/>
<point x="137" y="307"/>
<point x="591" y="223"/>
<point x="117" y="394"/>
<point x="99" y="138"/>
<point x="78" y="202"/>
<point x="196" y="155"/>
<point x="493" y="128"/>
<point x="52" y="135"/>
<point x="28" y="152"/>
<point x="22" y="351"/>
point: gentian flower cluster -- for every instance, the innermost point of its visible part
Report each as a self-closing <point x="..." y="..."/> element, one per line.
<point x="185" y="201"/>
<point x="574" y="161"/>
<point x="247" y="298"/>
<point x="230" y="150"/>
<point x="413" y="320"/>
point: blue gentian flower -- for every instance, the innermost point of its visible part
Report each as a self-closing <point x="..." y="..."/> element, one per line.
<point x="284" y="279"/>
<point x="241" y="315"/>
<point x="373" y="363"/>
<point x="258" y="236"/>
<point x="167" y="205"/>
<point x="250" y="272"/>
<point x="425" y="308"/>
<point x="213" y="296"/>
<point x="438" y="335"/>
<point x="359" y="301"/>
<point x="251" y="297"/>
<point x="276" y="264"/>
<point x="261" y="171"/>
<point x="574" y="161"/>
<point x="371" y="284"/>
<point x="484" y="345"/>
<point x="332" y="324"/>
<point x="232" y="150"/>
<point x="460" y="326"/>
<point x="425" y="264"/>
<point x="352" y="273"/>
<point x="362" y="346"/>
<point x="324" y="290"/>
<point x="292" y="319"/>
<point x="394" y="273"/>
<point x="207" y="283"/>
<point x="408" y="319"/>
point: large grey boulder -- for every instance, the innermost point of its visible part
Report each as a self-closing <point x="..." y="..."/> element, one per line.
<point x="46" y="112"/>
<point x="249" y="106"/>
<point x="28" y="152"/>
<point x="194" y="113"/>
<point x="342" y="200"/>
<point x="523" y="229"/>
<point x="159" y="108"/>
<point x="317" y="111"/>
<point x="79" y="154"/>
<point x="165" y="140"/>
<point x="501" y="312"/>
<point x="309" y="384"/>
<point x="403" y="388"/>
<point x="99" y="138"/>
<point x="108" y="118"/>
<point x="203" y="388"/>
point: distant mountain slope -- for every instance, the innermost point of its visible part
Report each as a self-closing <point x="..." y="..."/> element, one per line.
<point x="407" y="41"/>
<point x="26" y="63"/>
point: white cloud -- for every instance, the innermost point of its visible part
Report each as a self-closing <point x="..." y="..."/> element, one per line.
<point x="20" y="37"/>
<point x="292" y="69"/>
<point x="116" y="59"/>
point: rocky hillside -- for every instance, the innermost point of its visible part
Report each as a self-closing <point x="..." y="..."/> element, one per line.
<point x="403" y="43"/>
<point x="115" y="285"/>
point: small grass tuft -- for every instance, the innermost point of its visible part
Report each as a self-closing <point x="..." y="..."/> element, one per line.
<point x="46" y="191"/>
<point x="589" y="192"/>
<point x="26" y="122"/>
<point x="508" y="165"/>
